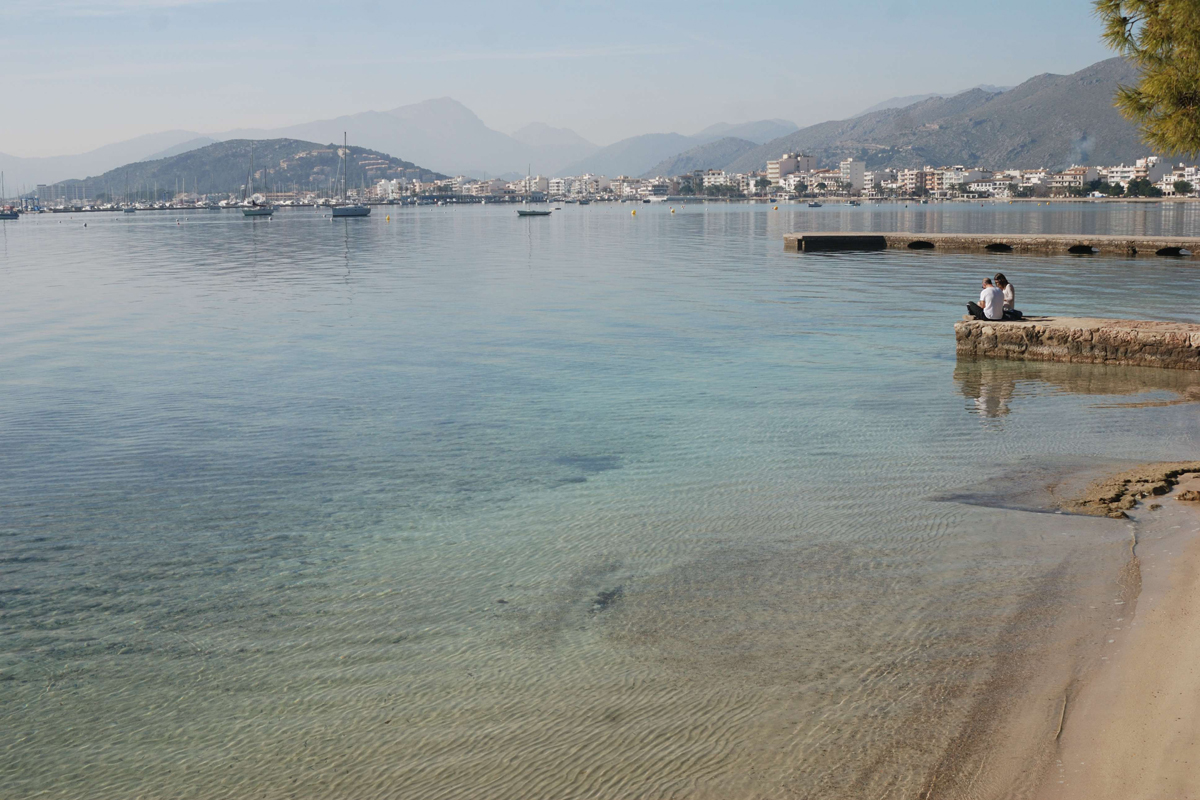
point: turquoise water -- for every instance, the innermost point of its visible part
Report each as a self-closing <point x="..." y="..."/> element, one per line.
<point x="595" y="505"/>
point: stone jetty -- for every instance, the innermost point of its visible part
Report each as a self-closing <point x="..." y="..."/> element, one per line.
<point x="1079" y="340"/>
<point x="1036" y="243"/>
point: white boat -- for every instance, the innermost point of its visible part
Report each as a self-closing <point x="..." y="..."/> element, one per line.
<point x="345" y="208"/>
<point x="256" y="210"/>
<point x="255" y="205"/>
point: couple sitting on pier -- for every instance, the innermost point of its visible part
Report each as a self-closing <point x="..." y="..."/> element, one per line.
<point x="995" y="301"/>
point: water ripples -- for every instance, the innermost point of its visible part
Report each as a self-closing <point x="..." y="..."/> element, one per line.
<point x="589" y="506"/>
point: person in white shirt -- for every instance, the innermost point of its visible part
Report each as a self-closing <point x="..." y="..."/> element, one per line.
<point x="991" y="303"/>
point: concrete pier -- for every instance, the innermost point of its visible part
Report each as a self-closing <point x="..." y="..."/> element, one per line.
<point x="1036" y="243"/>
<point x="1077" y="340"/>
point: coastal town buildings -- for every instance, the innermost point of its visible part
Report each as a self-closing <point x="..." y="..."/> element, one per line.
<point x="1074" y="178"/>
<point x="788" y="164"/>
<point x="852" y="174"/>
<point x="791" y="175"/>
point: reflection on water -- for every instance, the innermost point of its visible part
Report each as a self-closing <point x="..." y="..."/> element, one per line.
<point x="605" y="506"/>
<point x="992" y="384"/>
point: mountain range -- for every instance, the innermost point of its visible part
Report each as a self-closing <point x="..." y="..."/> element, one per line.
<point x="221" y="167"/>
<point x="638" y="155"/>
<point x="901" y="102"/>
<point x="440" y="134"/>
<point x="1047" y="121"/>
<point x="51" y="169"/>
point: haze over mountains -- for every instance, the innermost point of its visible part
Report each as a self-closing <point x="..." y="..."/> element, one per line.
<point x="901" y="102"/>
<point x="222" y="167"/>
<point x="1048" y="121"/>
<point x="51" y="169"/>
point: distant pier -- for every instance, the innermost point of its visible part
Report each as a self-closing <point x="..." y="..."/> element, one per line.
<point x="1033" y="243"/>
<point x="1076" y="340"/>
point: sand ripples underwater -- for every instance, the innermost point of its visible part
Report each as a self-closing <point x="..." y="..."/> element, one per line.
<point x="598" y="507"/>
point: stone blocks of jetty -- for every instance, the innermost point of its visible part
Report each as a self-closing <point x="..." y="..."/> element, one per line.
<point x="1079" y="340"/>
<point x="1027" y="243"/>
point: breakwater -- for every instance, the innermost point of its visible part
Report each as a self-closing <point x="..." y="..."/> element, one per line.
<point x="1170" y="345"/>
<point x="1038" y="243"/>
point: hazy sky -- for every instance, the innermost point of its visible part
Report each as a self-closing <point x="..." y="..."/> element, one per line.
<point x="82" y="73"/>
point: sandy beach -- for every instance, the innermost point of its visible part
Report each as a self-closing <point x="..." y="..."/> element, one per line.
<point x="1130" y="728"/>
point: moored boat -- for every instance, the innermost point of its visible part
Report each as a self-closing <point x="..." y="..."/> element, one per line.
<point x="255" y="205"/>
<point x="345" y="208"/>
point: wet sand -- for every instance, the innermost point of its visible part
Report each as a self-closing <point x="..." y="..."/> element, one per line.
<point x="1131" y="728"/>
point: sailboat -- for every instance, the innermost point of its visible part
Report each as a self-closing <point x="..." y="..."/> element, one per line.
<point x="530" y="212"/>
<point x="345" y="208"/>
<point x="6" y="212"/>
<point x="255" y="205"/>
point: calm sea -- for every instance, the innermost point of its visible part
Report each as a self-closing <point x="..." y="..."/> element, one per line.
<point x="461" y="505"/>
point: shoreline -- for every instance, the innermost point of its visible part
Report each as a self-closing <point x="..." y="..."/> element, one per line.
<point x="1101" y="661"/>
<point x="1129" y="729"/>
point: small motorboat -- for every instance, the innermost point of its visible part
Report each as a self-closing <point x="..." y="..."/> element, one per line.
<point x="529" y="212"/>
<point x="814" y="204"/>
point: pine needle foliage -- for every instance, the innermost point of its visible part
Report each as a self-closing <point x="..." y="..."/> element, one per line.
<point x="1162" y="39"/>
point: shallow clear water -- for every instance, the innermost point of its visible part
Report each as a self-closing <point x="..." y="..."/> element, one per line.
<point x="595" y="505"/>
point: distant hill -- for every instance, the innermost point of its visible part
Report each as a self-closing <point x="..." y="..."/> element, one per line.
<point x="898" y="102"/>
<point x="29" y="172"/>
<point x="713" y="155"/>
<point x="1048" y="121"/>
<point x="442" y="133"/>
<point x="280" y="164"/>
<point x="901" y="102"/>
<point x="183" y="147"/>
<point x="632" y="156"/>
<point x="553" y="147"/>
<point x="759" y="132"/>
<point x="638" y="155"/>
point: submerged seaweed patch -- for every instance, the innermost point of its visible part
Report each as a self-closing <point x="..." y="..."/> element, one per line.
<point x="605" y="598"/>
<point x="590" y="463"/>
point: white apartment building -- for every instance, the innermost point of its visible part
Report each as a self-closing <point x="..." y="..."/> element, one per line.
<point x="789" y="163"/>
<point x="529" y="185"/>
<point x="830" y="177"/>
<point x="1034" y="177"/>
<point x="910" y="180"/>
<point x="1180" y="173"/>
<point x="394" y="189"/>
<point x="852" y="174"/>
<point x="1074" y="178"/>
<point x="874" y="179"/>
<point x="625" y="186"/>
<point x="589" y="184"/>
<point x="1151" y="169"/>
<point x="794" y="181"/>
<point x="560" y="187"/>
<point x="654" y="187"/>
<point x="953" y="178"/>
<point x="996" y="186"/>
<point x="715" y="177"/>
<point x="485" y="188"/>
